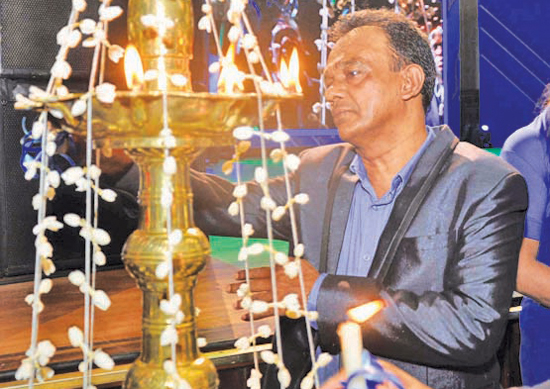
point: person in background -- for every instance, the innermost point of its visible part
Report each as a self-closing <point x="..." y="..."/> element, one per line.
<point x="434" y="116"/>
<point x="527" y="150"/>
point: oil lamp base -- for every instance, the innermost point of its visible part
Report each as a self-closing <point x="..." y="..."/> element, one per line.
<point x="200" y="374"/>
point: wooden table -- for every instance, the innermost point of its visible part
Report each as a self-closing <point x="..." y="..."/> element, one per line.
<point x="117" y="330"/>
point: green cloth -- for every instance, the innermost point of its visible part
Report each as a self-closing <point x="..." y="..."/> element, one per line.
<point x="227" y="250"/>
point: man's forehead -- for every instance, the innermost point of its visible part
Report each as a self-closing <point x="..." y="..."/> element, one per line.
<point x="364" y="34"/>
<point x="361" y="42"/>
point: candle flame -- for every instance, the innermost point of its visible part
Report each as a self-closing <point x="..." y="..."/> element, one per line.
<point x="133" y="68"/>
<point x="294" y="70"/>
<point x="364" y="312"/>
<point x="290" y="74"/>
<point x="283" y="74"/>
<point x="230" y="78"/>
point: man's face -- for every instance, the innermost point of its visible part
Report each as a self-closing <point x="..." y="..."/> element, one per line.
<point x="361" y="86"/>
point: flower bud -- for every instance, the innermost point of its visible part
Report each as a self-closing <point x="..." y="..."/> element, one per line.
<point x="264" y="331"/>
<point x="280" y="136"/>
<point x="242" y="343"/>
<point x="101" y="300"/>
<point x="78" y="108"/>
<point x="255" y="249"/>
<point x="77" y="278"/>
<point x="292" y="162"/>
<point x="108" y="195"/>
<point x="233" y="209"/>
<point x="301" y="198"/>
<point x="162" y="270"/>
<point x="72" y="219"/>
<point x="45" y="286"/>
<point x="243" y="132"/>
<point x="99" y="258"/>
<point x="260" y="175"/>
<point x="299" y="250"/>
<point x="169" y="166"/>
<point x="168" y="336"/>
<point x="75" y="336"/>
<point x="268" y="356"/>
<point x="103" y="360"/>
<point x="240" y="191"/>
<point x="278" y="213"/>
<point x="101" y="237"/>
<point x="175" y="237"/>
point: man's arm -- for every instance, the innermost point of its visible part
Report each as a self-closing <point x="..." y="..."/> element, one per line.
<point x="212" y="196"/>
<point x="463" y="324"/>
<point x="524" y="151"/>
<point x="533" y="275"/>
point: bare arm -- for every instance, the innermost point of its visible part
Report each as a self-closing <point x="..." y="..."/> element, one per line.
<point x="533" y="276"/>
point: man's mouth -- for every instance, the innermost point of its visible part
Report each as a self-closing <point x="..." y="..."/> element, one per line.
<point x="338" y="113"/>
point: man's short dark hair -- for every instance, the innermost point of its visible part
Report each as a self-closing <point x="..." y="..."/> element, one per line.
<point x="409" y="44"/>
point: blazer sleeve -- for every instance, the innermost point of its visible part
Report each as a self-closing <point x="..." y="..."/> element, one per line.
<point x="463" y="324"/>
<point x="212" y="196"/>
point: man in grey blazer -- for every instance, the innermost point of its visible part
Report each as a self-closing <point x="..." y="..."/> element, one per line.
<point x="400" y="212"/>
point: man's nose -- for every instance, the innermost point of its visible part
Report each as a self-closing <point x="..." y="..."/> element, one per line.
<point x="335" y="90"/>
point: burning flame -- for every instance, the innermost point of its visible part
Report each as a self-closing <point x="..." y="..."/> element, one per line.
<point x="133" y="68"/>
<point x="230" y="79"/>
<point x="290" y="74"/>
<point x="364" y="312"/>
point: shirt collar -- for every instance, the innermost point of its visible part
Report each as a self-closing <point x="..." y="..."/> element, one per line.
<point x="400" y="179"/>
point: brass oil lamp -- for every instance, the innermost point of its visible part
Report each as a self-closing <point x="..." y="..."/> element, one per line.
<point x="133" y="122"/>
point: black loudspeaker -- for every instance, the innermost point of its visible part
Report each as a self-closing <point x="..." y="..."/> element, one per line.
<point x="28" y="47"/>
<point x="16" y="214"/>
<point x="17" y="217"/>
<point x="28" y="31"/>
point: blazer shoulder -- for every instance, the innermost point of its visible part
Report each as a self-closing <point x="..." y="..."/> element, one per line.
<point x="327" y="155"/>
<point x="482" y="169"/>
<point x="471" y="158"/>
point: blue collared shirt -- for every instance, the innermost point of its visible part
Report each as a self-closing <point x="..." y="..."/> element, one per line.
<point x="367" y="219"/>
<point x="369" y="215"/>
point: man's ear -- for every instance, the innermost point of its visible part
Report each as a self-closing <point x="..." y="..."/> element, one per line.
<point x="412" y="77"/>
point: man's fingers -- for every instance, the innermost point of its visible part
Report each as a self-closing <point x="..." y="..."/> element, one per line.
<point x="256" y="272"/>
<point x="258" y="316"/>
<point x="233" y="287"/>
<point x="263" y="315"/>
<point x="262" y="296"/>
<point x="256" y="285"/>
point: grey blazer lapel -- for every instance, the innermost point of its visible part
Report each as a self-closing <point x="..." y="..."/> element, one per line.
<point x="339" y="196"/>
<point x="340" y="214"/>
<point x="423" y="178"/>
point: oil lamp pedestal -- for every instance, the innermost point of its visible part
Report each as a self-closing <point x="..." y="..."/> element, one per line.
<point x="147" y="248"/>
<point x="133" y="122"/>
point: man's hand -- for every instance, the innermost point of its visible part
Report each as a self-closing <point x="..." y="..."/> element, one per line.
<point x="260" y="285"/>
<point x="407" y="380"/>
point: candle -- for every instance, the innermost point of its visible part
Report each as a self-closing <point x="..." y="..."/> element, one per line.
<point x="351" y="340"/>
<point x="351" y="343"/>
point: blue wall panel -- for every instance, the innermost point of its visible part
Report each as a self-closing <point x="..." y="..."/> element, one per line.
<point x="451" y="63"/>
<point x="514" y="62"/>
